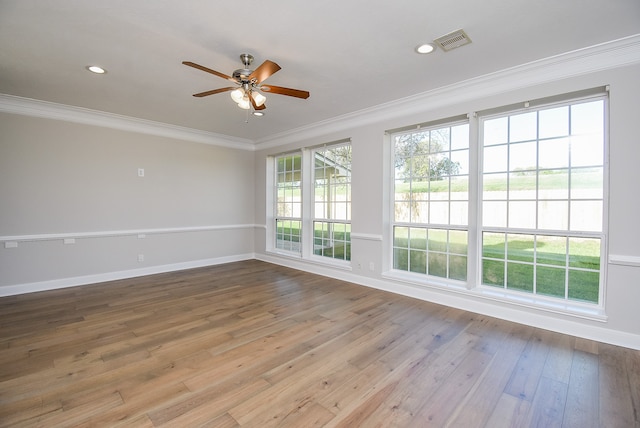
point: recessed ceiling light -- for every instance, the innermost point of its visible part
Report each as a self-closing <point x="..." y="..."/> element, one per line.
<point x="425" y="48"/>
<point x="96" y="69"/>
<point x="258" y="113"/>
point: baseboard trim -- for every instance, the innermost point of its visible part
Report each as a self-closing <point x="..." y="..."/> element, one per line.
<point x="537" y="319"/>
<point x="34" y="287"/>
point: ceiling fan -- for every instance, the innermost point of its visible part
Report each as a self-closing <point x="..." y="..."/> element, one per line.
<point x="248" y="84"/>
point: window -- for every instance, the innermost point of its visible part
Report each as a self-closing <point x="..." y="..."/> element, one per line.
<point x="288" y="204"/>
<point x="312" y="192"/>
<point x="332" y="202"/>
<point x="530" y="222"/>
<point x="543" y="200"/>
<point x="431" y="201"/>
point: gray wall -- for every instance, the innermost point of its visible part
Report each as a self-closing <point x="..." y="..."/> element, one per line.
<point x="194" y="204"/>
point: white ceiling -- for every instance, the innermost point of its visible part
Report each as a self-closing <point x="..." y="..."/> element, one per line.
<point x="349" y="54"/>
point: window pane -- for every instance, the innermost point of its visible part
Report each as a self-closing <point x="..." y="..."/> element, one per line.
<point x="493" y="272"/>
<point x="553" y="184"/>
<point x="496" y="131"/>
<point x="401" y="259"/>
<point x="459" y="214"/>
<point x="493" y="245"/>
<point x="587" y="151"/>
<point x="550" y="281"/>
<point x="553" y="153"/>
<point x="520" y="247"/>
<point x="460" y="188"/>
<point x="460" y="137"/>
<point x="494" y="214"/>
<point x="553" y="215"/>
<point x="401" y="212"/>
<point x="418" y="238"/>
<point x="520" y="276"/>
<point x="438" y="264"/>
<point x="554" y="122"/>
<point x="437" y="240"/>
<point x="586" y="216"/>
<point x="523" y="127"/>
<point x="418" y="261"/>
<point x="400" y="236"/>
<point x="495" y="159"/>
<point x="584" y="253"/>
<point x="587" y="118"/>
<point x="522" y="157"/>
<point x="420" y="212"/>
<point x="458" y="241"/>
<point x="583" y="285"/>
<point x="439" y="213"/>
<point x="587" y="183"/>
<point x="551" y="250"/>
<point x="522" y="214"/>
<point x="494" y="186"/>
<point x="458" y="268"/>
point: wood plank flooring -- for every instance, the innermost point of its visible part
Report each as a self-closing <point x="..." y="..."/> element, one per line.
<point x="251" y="344"/>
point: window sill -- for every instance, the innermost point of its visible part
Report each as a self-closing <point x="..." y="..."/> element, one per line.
<point x="542" y="303"/>
<point x="316" y="260"/>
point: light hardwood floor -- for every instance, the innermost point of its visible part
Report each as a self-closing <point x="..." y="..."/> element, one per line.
<point x="251" y="344"/>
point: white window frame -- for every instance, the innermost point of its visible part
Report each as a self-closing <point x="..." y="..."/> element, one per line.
<point x="448" y="226"/>
<point x="307" y="218"/>
<point x="274" y="218"/>
<point x="545" y="300"/>
<point x="473" y="286"/>
<point x="330" y="219"/>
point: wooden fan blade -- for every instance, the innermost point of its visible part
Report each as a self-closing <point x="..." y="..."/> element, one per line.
<point x="208" y="70"/>
<point x="265" y="70"/>
<point x="255" y="106"/>
<point x="285" y="91"/>
<point x="214" y="91"/>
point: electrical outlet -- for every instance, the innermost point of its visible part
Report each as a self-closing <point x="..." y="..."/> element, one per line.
<point x="140" y="258"/>
<point x="140" y="172"/>
<point x="372" y="266"/>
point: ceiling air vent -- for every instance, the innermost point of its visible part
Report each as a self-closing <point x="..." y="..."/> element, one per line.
<point x="453" y="40"/>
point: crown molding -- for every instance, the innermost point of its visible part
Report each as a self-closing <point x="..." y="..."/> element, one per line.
<point x="48" y="110"/>
<point x="605" y="56"/>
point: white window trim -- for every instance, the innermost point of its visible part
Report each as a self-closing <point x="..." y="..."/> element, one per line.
<point x="307" y="219"/>
<point x="473" y="287"/>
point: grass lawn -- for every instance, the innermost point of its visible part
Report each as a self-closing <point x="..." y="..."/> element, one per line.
<point x="506" y="259"/>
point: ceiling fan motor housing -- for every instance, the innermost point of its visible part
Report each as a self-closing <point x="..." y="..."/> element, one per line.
<point x="242" y="74"/>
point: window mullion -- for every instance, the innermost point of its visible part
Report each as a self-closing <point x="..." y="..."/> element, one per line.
<point x="307" y="201"/>
<point x="475" y="202"/>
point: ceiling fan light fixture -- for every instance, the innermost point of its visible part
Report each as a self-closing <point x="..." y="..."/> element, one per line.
<point x="258" y="98"/>
<point x="237" y="94"/>
<point x="244" y="103"/>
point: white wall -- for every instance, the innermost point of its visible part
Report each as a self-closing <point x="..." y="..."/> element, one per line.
<point x="60" y="180"/>
<point x="534" y="81"/>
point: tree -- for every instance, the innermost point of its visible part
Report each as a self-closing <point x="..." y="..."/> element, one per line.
<point x="423" y="154"/>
